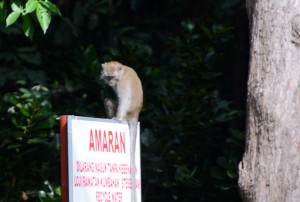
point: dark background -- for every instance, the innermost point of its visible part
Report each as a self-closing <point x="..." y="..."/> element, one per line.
<point x="192" y="58"/>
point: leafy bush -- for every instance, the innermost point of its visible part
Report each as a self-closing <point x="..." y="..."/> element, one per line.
<point x="29" y="142"/>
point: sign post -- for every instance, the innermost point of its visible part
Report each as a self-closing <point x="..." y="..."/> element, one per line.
<point x="95" y="160"/>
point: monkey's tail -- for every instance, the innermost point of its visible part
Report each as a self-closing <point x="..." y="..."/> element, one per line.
<point x="133" y="135"/>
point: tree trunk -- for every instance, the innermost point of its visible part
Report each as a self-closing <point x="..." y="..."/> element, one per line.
<point x="270" y="168"/>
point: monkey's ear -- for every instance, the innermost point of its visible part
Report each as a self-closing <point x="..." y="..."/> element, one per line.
<point x="102" y="65"/>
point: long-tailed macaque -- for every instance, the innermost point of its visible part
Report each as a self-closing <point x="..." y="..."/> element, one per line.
<point x="128" y="88"/>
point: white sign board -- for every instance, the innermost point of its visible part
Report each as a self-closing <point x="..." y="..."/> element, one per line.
<point x="99" y="160"/>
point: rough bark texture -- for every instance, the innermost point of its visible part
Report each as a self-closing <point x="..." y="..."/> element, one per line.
<point x="270" y="169"/>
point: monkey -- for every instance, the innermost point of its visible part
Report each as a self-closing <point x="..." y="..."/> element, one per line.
<point x="128" y="89"/>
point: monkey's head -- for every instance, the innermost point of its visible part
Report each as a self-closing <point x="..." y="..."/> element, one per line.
<point x="112" y="72"/>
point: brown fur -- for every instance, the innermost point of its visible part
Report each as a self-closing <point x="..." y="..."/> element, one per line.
<point x="128" y="88"/>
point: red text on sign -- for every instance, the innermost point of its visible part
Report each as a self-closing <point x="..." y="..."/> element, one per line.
<point x="107" y="141"/>
<point x="108" y="196"/>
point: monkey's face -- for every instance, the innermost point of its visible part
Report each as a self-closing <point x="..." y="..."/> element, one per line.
<point x="110" y="79"/>
<point x="111" y="73"/>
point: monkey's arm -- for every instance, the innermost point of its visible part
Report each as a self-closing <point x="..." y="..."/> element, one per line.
<point x="124" y="103"/>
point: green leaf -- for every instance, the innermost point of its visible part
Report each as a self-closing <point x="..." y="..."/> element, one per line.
<point x="52" y="7"/>
<point x="12" y="17"/>
<point x="16" y="6"/>
<point x="28" y="26"/>
<point x="35" y="140"/>
<point x="31" y="6"/>
<point x="91" y="55"/>
<point x="3" y="10"/>
<point x="21" y="82"/>
<point x="231" y="174"/>
<point x="42" y="194"/>
<point x="57" y="190"/>
<point x="26" y="92"/>
<point x="44" y="16"/>
<point x="13" y="99"/>
<point x="25" y="110"/>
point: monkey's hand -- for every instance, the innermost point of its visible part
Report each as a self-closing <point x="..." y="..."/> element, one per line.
<point x="110" y="107"/>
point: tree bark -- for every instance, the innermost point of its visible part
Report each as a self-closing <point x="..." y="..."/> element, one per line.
<point x="270" y="168"/>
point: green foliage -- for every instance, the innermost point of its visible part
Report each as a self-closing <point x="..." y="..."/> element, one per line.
<point x="2" y="10"/>
<point x="43" y="8"/>
<point x="29" y="141"/>
<point x="190" y="137"/>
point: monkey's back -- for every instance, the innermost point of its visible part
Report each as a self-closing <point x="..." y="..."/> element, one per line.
<point x="134" y="88"/>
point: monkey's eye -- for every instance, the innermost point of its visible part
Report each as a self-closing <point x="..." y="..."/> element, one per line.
<point x="109" y="78"/>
